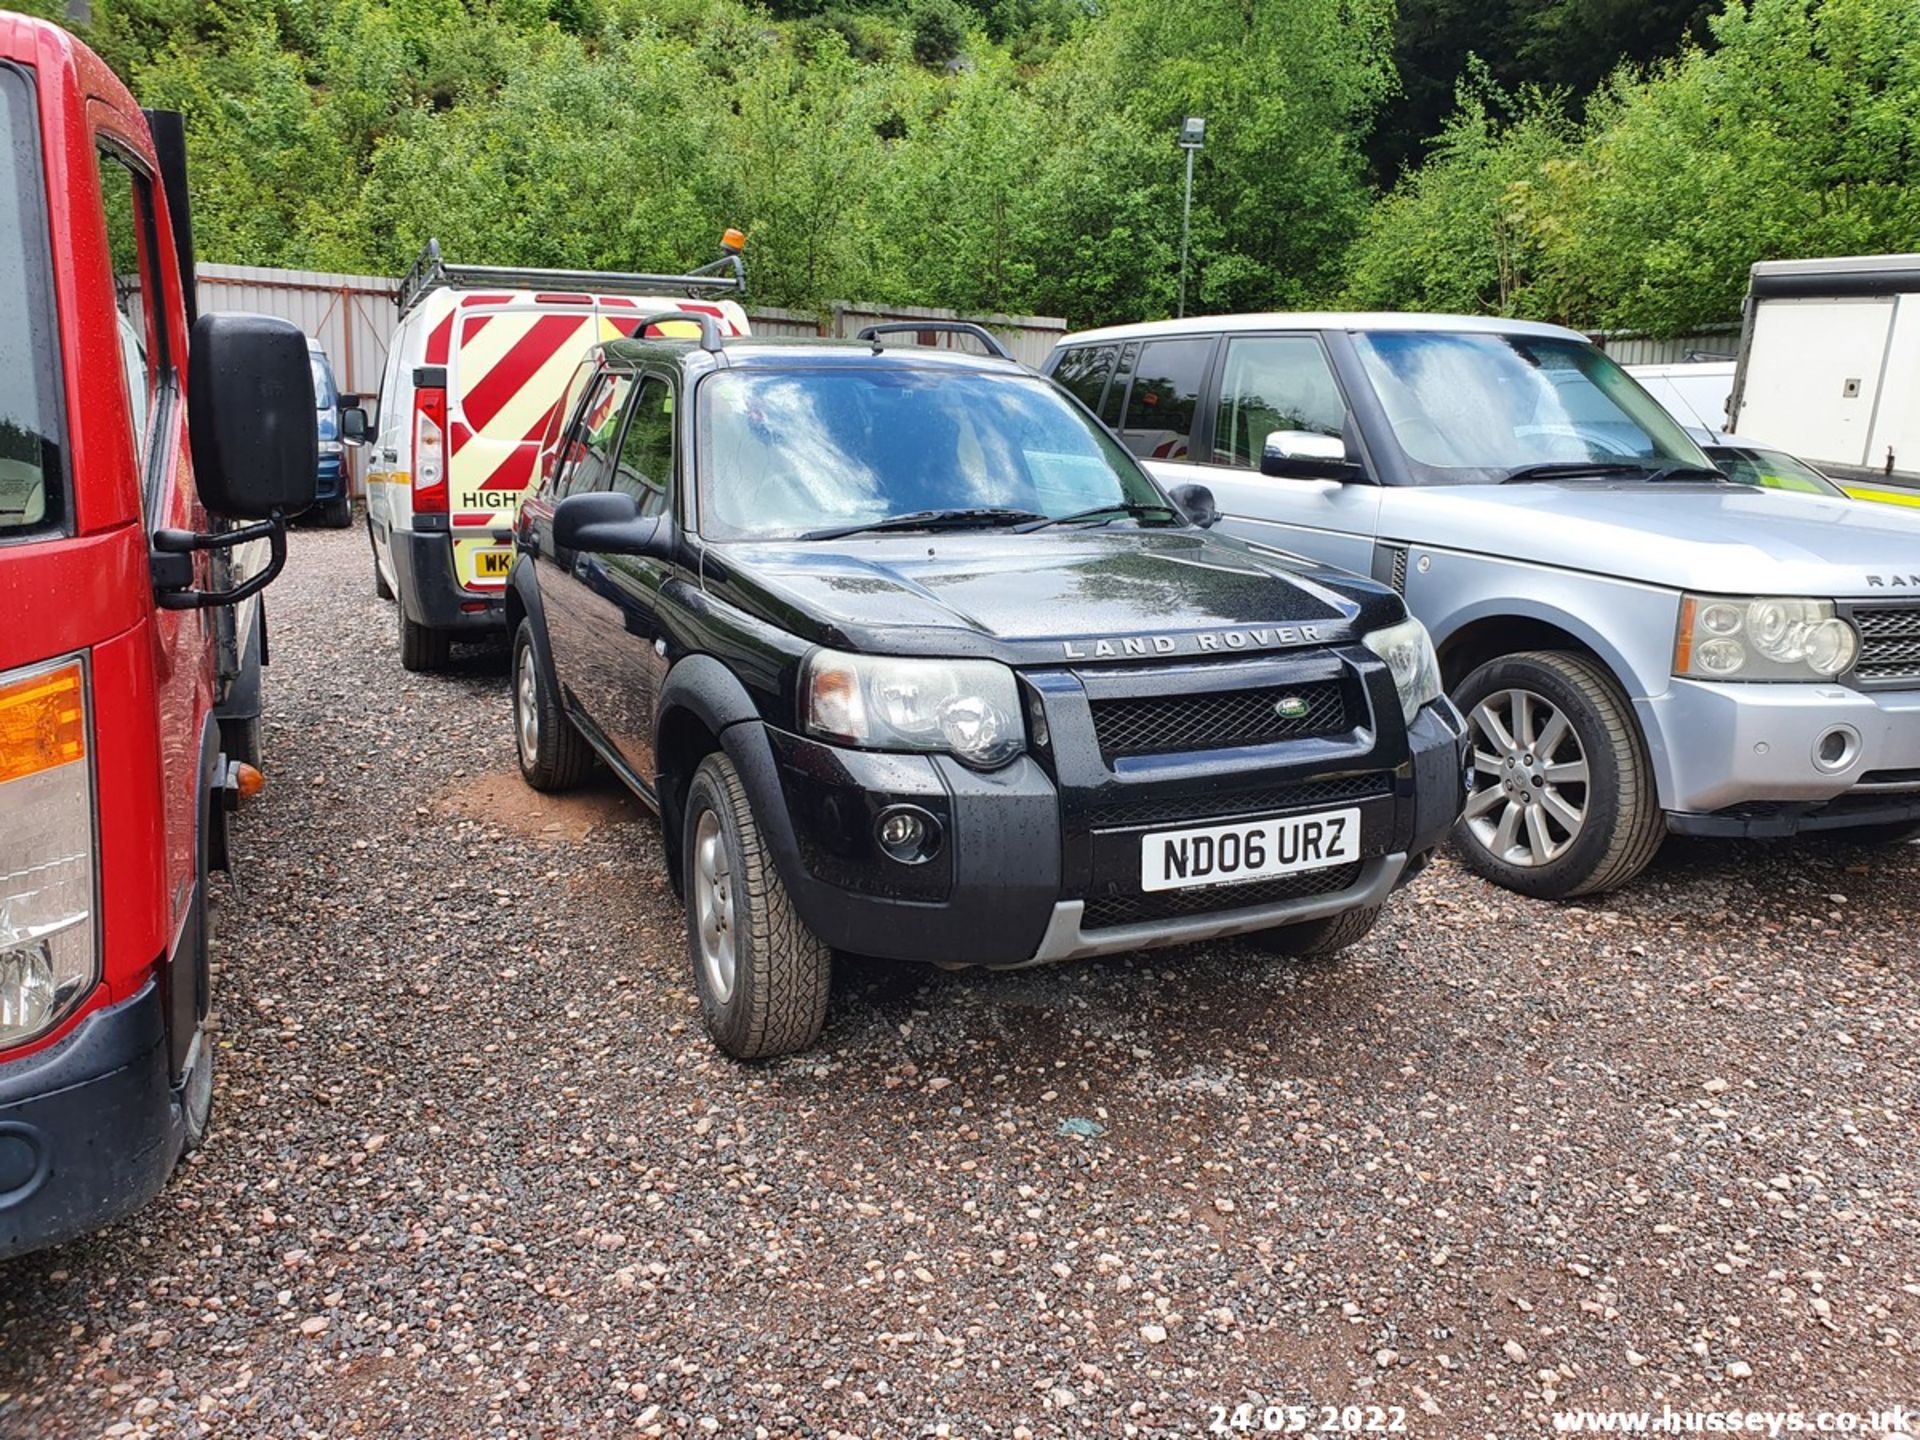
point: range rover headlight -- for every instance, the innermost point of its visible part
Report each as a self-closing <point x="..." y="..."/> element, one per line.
<point x="970" y="708"/>
<point x="48" y="959"/>
<point x="1763" y="638"/>
<point x="1408" y="651"/>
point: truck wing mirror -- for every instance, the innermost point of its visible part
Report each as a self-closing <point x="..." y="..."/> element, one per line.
<point x="256" y="449"/>
<point x="608" y="522"/>
<point x="1308" y="455"/>
<point x="353" y="425"/>
<point x="250" y="408"/>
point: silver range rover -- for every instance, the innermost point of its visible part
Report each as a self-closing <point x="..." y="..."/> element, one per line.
<point x="1640" y="644"/>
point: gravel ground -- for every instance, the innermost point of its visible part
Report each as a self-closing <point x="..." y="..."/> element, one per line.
<point x="478" y="1172"/>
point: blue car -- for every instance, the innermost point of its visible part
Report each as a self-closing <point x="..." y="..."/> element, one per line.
<point x="333" y="499"/>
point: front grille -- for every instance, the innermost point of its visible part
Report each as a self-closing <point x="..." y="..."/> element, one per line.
<point x="1107" y="911"/>
<point x="1889" y="644"/>
<point x="1219" y="719"/>
<point x="1117" y="813"/>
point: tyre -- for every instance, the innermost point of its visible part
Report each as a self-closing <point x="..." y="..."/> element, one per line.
<point x="553" y="755"/>
<point x="423" y="648"/>
<point x="1328" y="935"/>
<point x="338" y="514"/>
<point x="196" y="1097"/>
<point x="762" y="976"/>
<point x="1563" y="801"/>
<point x="381" y="589"/>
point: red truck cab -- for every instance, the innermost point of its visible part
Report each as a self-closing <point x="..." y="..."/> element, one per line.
<point x="133" y="437"/>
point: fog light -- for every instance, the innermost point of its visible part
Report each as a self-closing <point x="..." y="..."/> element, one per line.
<point x="907" y="834"/>
<point x="1837" y="749"/>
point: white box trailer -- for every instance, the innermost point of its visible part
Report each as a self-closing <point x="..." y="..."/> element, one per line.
<point x="1829" y="365"/>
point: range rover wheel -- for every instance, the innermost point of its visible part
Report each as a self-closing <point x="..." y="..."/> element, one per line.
<point x="553" y="755"/>
<point x="761" y="975"/>
<point x="1563" y="802"/>
<point x="1328" y="935"/>
<point x="421" y="647"/>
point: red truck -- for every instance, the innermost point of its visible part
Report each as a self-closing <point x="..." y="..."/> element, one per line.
<point x="140" y="448"/>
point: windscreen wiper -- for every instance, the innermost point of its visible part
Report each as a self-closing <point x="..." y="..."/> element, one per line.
<point x="1688" y="472"/>
<point x="1570" y="470"/>
<point x="1133" y="508"/>
<point x="978" y="516"/>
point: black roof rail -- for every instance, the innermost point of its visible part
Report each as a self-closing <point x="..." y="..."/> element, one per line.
<point x="711" y="336"/>
<point x="726" y="275"/>
<point x="985" y="336"/>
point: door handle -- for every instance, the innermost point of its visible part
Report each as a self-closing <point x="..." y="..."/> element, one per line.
<point x="390" y="457"/>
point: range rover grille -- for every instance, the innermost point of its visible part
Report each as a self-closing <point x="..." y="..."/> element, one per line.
<point x="1219" y="719"/>
<point x="1889" y="644"/>
<point x="1109" y="910"/>
<point x="1116" y="814"/>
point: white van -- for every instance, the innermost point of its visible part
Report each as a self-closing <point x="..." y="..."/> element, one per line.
<point x="480" y="360"/>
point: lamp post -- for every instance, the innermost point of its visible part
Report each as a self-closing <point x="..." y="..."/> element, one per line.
<point x="1193" y="134"/>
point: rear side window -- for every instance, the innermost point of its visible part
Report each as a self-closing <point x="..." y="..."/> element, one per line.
<point x="30" y="411"/>
<point x="1166" y="392"/>
<point x="1084" y="370"/>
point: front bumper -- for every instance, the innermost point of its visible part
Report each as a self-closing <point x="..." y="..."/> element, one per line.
<point x="1041" y="860"/>
<point x="1731" y="750"/>
<point x="430" y="590"/>
<point x="330" y="480"/>
<point x="89" y="1129"/>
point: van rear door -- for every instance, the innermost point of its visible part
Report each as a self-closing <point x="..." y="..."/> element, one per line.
<point x="509" y="368"/>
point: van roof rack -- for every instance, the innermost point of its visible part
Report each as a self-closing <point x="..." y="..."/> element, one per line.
<point x="726" y="275"/>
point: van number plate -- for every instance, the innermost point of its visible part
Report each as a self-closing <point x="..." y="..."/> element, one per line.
<point x="492" y="564"/>
<point x="1248" y="850"/>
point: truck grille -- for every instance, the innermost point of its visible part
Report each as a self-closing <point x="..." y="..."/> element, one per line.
<point x="1217" y="720"/>
<point x="1889" y="645"/>
<point x="1115" y="814"/>
<point x="1106" y="911"/>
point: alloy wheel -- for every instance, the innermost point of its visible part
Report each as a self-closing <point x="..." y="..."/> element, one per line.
<point x="526" y="705"/>
<point x="713" y="912"/>
<point x="1530" y="787"/>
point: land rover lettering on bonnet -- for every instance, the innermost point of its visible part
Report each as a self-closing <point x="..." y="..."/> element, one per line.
<point x="866" y="625"/>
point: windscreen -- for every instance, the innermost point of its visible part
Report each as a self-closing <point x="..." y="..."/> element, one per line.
<point x="324" y="397"/>
<point x="1770" y="470"/>
<point x="1470" y="407"/>
<point x="29" y="349"/>
<point x="792" y="451"/>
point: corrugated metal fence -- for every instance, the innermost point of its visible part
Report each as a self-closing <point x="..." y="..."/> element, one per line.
<point x="353" y="317"/>
<point x="1636" y="347"/>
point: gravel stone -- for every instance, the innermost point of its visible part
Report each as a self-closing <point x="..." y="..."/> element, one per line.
<point x="467" y="1120"/>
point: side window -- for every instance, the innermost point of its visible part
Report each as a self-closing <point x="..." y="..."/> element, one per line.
<point x="556" y="443"/>
<point x="1273" y="382"/>
<point x="1165" y="394"/>
<point x="128" y="198"/>
<point x="1117" y="391"/>
<point x="645" y="470"/>
<point x="1083" y="372"/>
<point x="589" y="462"/>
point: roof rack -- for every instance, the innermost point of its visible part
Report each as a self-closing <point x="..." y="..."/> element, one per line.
<point x="726" y="275"/>
<point x="711" y="338"/>
<point x="986" y="337"/>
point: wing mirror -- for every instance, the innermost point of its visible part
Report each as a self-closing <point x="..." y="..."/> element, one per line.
<point x="609" y="522"/>
<point x="1307" y="455"/>
<point x="256" y="449"/>
<point x="353" y="425"/>
<point x="1196" y="503"/>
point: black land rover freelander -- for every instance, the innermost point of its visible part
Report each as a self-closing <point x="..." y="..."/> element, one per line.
<point x="915" y="661"/>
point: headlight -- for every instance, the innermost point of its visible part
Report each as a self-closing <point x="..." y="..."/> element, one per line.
<point x="968" y="707"/>
<point x="47" y="958"/>
<point x="1408" y="651"/>
<point x="332" y="447"/>
<point x="1762" y="639"/>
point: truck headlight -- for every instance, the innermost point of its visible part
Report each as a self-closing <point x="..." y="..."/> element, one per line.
<point x="969" y="708"/>
<point x="1408" y="651"/>
<point x="1762" y="639"/>
<point x="48" y="960"/>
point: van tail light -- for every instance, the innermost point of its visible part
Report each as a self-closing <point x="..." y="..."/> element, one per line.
<point x="430" y="450"/>
<point x="49" y="961"/>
